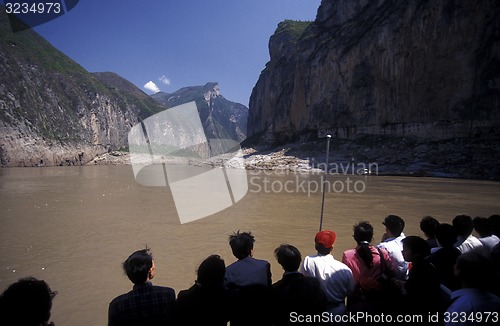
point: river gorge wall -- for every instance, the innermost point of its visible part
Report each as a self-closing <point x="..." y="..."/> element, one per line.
<point x="429" y="69"/>
<point x="54" y="112"/>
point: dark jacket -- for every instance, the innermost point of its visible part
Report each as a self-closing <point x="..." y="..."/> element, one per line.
<point x="199" y="305"/>
<point x="248" y="271"/>
<point x="444" y="261"/>
<point x="248" y="282"/>
<point x="144" y="305"/>
<point x="298" y="294"/>
<point x="423" y="294"/>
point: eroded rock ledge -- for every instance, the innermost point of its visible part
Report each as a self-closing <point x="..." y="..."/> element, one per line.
<point x="382" y="155"/>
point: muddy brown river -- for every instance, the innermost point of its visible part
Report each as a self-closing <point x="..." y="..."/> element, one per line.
<point x="74" y="226"/>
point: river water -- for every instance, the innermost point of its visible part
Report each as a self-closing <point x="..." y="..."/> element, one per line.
<point x="74" y="226"/>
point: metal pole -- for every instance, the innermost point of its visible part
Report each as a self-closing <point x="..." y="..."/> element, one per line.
<point x="328" y="137"/>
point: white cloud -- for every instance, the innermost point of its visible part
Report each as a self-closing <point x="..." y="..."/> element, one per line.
<point x="150" y="86"/>
<point x="164" y="80"/>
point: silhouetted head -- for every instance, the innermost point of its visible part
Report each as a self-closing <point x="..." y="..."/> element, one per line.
<point x="363" y="232"/>
<point x="415" y="248"/>
<point x="211" y="272"/>
<point x="428" y="225"/>
<point x="446" y="235"/>
<point x="241" y="244"/>
<point x="139" y="266"/>
<point x="463" y="225"/>
<point x="482" y="226"/>
<point x="324" y="240"/>
<point x="473" y="270"/>
<point x="288" y="257"/>
<point x="394" y="224"/>
<point x="26" y="302"/>
<point x="363" y="235"/>
<point x="495" y="224"/>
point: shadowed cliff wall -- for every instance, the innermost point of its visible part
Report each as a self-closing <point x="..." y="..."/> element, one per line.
<point x="378" y="67"/>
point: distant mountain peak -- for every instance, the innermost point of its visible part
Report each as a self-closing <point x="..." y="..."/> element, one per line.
<point x="219" y="116"/>
<point x="211" y="93"/>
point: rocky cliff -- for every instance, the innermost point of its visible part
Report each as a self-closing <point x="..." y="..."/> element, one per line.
<point x="220" y="117"/>
<point x="424" y="68"/>
<point x="52" y="111"/>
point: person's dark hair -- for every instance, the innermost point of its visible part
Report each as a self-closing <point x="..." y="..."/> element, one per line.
<point x="321" y="249"/>
<point x="482" y="226"/>
<point x="474" y="271"/>
<point x="137" y="265"/>
<point x="495" y="224"/>
<point x="463" y="224"/>
<point x="394" y="224"/>
<point x="428" y="225"/>
<point x="288" y="257"/>
<point x="446" y="235"/>
<point x="363" y="235"/>
<point x="211" y="272"/>
<point x="241" y="244"/>
<point x="26" y="302"/>
<point x="418" y="246"/>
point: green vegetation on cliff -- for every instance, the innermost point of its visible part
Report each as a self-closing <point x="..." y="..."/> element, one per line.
<point x="293" y="28"/>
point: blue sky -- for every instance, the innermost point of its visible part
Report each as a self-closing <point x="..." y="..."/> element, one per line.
<point x="176" y="43"/>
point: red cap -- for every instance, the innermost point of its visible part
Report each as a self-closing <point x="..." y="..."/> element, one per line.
<point x="326" y="238"/>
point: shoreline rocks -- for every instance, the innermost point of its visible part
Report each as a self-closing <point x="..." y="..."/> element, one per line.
<point x="375" y="155"/>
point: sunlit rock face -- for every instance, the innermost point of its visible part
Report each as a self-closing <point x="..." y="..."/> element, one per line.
<point x="54" y="112"/>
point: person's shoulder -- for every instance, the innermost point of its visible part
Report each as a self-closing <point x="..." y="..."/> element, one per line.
<point x="383" y="244"/>
<point x="121" y="298"/>
<point x="349" y="252"/>
<point x="164" y="289"/>
<point x="260" y="260"/>
<point x="187" y="292"/>
<point x="312" y="260"/>
<point x="474" y="238"/>
<point x="390" y="244"/>
<point x="341" y="265"/>
<point x="118" y="298"/>
<point x="230" y="266"/>
<point x="449" y="251"/>
<point x="312" y="281"/>
<point x="469" y="299"/>
<point x="257" y="261"/>
<point x="278" y="284"/>
<point x="379" y="250"/>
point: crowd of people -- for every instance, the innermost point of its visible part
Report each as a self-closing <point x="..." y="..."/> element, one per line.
<point x="448" y="270"/>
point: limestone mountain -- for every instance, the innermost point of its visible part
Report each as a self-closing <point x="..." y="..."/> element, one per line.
<point x="424" y="68"/>
<point x="220" y="117"/>
<point x="54" y="112"/>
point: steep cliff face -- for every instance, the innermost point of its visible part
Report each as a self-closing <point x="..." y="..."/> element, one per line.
<point x="429" y="68"/>
<point x="52" y="111"/>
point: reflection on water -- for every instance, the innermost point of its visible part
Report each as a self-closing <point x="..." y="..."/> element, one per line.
<point x="73" y="226"/>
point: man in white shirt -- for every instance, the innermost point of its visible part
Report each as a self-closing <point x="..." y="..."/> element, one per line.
<point x="335" y="277"/>
<point x="484" y="229"/>
<point x="391" y="241"/>
<point x="466" y="241"/>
